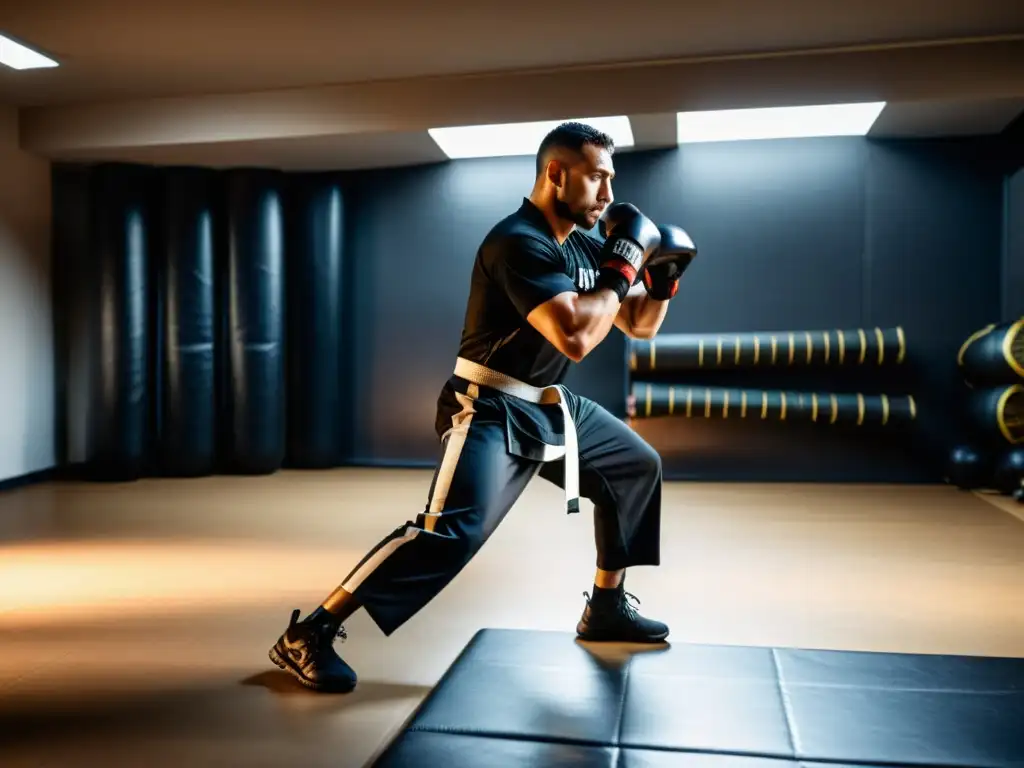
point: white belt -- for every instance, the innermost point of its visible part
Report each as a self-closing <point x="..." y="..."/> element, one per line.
<point x="483" y="376"/>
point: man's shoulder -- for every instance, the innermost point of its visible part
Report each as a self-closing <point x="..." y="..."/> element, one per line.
<point x="516" y="234"/>
<point x="516" y="224"/>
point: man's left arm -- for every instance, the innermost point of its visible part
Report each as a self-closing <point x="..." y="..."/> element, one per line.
<point x="646" y="305"/>
<point x="640" y="316"/>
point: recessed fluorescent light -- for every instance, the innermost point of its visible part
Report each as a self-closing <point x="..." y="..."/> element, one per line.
<point x="777" y="122"/>
<point x="505" y="139"/>
<point x="17" y="56"/>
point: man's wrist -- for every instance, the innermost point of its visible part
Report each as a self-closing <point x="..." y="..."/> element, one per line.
<point x="613" y="279"/>
<point x="601" y="301"/>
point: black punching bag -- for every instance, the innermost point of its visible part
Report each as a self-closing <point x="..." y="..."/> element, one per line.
<point x="967" y="468"/>
<point x="315" y="268"/>
<point x="187" y="411"/>
<point x="254" y="414"/>
<point x="1008" y="474"/>
<point x="994" y="355"/>
<point x="117" y="424"/>
<point x="997" y="414"/>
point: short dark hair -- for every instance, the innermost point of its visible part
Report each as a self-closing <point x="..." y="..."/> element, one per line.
<point x="573" y="136"/>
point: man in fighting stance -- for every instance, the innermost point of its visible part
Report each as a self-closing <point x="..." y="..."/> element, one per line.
<point x="543" y="294"/>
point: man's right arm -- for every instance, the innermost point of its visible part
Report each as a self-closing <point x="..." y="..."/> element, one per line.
<point x="576" y="323"/>
<point x="532" y="274"/>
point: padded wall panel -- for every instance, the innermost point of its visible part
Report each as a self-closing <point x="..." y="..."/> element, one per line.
<point x="114" y="287"/>
<point x="73" y="336"/>
<point x="414" y="235"/>
<point x="316" y="367"/>
<point x="253" y="420"/>
<point x="779" y="226"/>
<point x="187" y="405"/>
<point x="1013" y="246"/>
<point x="922" y="197"/>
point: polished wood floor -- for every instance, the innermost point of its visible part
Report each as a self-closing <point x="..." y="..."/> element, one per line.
<point x="136" y="618"/>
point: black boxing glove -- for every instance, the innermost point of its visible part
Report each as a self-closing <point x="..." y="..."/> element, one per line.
<point x="666" y="265"/>
<point x="630" y="239"/>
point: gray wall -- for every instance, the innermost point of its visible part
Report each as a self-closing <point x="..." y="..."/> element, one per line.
<point x="26" y="331"/>
<point x="807" y="234"/>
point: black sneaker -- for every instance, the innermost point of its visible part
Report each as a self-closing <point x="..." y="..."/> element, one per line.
<point x="610" y="617"/>
<point x="306" y="650"/>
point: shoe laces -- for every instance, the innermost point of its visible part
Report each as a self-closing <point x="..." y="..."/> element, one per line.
<point x="624" y="603"/>
<point x="318" y="634"/>
<point x="333" y="634"/>
<point x="323" y="635"/>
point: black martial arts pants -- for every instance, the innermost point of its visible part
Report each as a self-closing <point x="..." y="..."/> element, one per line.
<point x="480" y="476"/>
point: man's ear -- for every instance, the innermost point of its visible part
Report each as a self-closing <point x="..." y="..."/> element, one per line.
<point x="555" y="173"/>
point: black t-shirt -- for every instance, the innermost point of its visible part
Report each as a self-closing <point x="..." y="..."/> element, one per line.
<point x="519" y="266"/>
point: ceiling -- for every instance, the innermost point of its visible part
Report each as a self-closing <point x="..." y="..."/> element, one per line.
<point x="316" y="84"/>
<point x="122" y="49"/>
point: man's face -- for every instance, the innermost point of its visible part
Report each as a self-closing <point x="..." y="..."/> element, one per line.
<point x="586" y="187"/>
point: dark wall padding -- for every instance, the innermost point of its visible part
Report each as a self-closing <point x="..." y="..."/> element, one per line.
<point x="202" y="320"/>
<point x="187" y="435"/>
<point x="317" y="381"/>
<point x="255" y="400"/>
<point x="923" y="197"/>
<point x="413" y="237"/>
<point x="73" y="336"/>
<point x="1013" y="243"/>
<point x="109" y="330"/>
<point x="529" y="698"/>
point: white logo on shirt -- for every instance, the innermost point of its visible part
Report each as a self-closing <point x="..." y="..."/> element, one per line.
<point x="586" y="278"/>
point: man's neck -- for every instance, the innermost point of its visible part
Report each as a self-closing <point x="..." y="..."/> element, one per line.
<point x="559" y="226"/>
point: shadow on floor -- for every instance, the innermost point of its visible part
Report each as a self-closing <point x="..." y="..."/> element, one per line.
<point x="267" y="705"/>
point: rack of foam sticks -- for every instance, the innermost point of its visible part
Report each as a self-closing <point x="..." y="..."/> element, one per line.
<point x="681" y="375"/>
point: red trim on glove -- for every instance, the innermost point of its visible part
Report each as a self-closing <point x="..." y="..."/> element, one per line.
<point x="624" y="268"/>
<point x="668" y="292"/>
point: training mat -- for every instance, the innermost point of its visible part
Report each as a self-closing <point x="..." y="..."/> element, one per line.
<point x="531" y="698"/>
